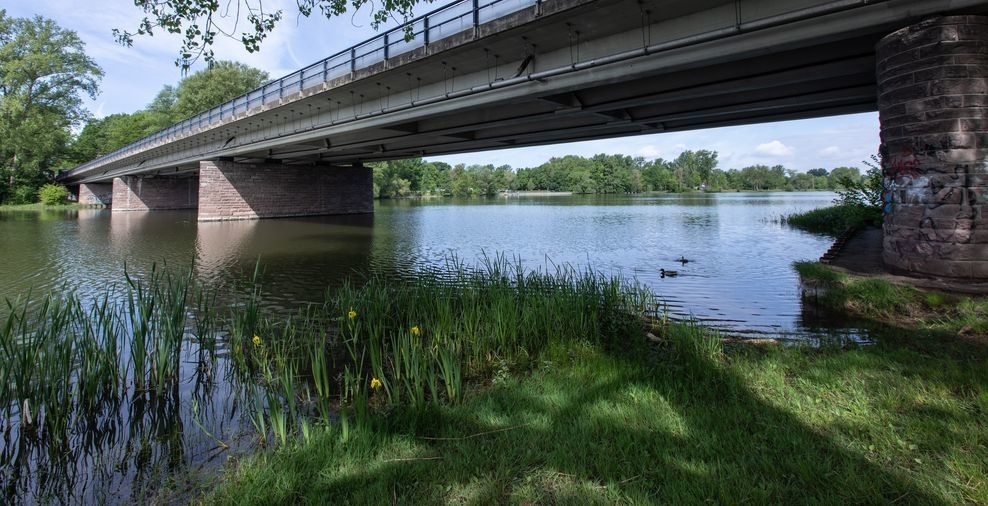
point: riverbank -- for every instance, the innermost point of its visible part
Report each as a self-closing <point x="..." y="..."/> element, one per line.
<point x="679" y="423"/>
<point x="855" y="281"/>
<point x="45" y="207"/>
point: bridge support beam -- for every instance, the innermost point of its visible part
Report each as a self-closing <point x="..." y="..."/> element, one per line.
<point x="242" y="191"/>
<point x="96" y="193"/>
<point x="933" y="107"/>
<point x="137" y="193"/>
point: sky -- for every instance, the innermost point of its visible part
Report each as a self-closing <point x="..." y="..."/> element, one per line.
<point x="134" y="75"/>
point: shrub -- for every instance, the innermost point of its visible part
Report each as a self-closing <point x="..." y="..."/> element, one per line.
<point x="22" y="195"/>
<point x="858" y="204"/>
<point x="53" y="194"/>
<point x="833" y="220"/>
<point x="866" y="193"/>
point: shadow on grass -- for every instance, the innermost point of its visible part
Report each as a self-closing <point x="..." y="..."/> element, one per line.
<point x="643" y="427"/>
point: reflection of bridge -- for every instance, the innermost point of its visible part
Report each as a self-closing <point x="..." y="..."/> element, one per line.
<point x="524" y="72"/>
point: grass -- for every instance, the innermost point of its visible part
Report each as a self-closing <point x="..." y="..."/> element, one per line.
<point x="834" y="220"/>
<point x="898" y="305"/>
<point x="682" y="423"/>
<point x="42" y="207"/>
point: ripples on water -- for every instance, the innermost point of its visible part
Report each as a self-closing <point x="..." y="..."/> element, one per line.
<point x="739" y="278"/>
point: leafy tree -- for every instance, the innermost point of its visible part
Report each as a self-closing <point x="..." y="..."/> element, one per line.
<point x="691" y="168"/>
<point x="105" y="135"/>
<point x="718" y="180"/>
<point x="200" y="21"/>
<point x="802" y="181"/>
<point x="657" y="176"/>
<point x="162" y="108"/>
<point x="843" y="173"/>
<point x="864" y="191"/>
<point x="222" y="82"/>
<point x="763" y="177"/>
<point x="462" y="181"/>
<point x="436" y="179"/>
<point x="42" y="70"/>
<point x="817" y="172"/>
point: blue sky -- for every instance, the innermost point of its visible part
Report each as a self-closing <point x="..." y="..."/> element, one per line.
<point x="135" y="75"/>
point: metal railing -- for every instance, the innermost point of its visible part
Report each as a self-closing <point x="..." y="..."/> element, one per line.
<point x="434" y="26"/>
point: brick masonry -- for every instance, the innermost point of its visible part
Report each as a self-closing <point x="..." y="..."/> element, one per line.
<point x="135" y="193"/>
<point x="238" y="191"/>
<point x="96" y="193"/>
<point x="933" y="107"/>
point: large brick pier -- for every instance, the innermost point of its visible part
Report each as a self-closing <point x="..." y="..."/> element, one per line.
<point x="933" y="106"/>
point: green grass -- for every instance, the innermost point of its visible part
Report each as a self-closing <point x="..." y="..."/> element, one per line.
<point x="41" y="207"/>
<point x="679" y="424"/>
<point x="815" y="271"/>
<point x="834" y="220"/>
<point x="903" y="306"/>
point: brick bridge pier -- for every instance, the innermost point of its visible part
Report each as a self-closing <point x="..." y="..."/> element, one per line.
<point x="933" y="107"/>
<point x="224" y="190"/>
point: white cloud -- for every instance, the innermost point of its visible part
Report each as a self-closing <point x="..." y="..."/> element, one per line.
<point x="648" y="151"/>
<point x="774" y="148"/>
<point x="830" y="152"/>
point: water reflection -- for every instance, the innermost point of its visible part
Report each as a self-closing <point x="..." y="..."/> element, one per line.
<point x="300" y="257"/>
<point x="739" y="279"/>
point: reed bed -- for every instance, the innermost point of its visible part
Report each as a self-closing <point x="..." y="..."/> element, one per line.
<point x="125" y="374"/>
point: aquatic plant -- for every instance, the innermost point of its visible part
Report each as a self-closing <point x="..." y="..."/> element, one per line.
<point x="79" y="368"/>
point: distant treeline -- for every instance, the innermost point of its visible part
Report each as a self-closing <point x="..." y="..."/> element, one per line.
<point x="690" y="171"/>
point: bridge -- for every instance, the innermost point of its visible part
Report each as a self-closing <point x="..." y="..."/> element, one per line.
<point x="479" y="74"/>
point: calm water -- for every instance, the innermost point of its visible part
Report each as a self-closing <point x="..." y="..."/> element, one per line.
<point x="739" y="276"/>
<point x="739" y="279"/>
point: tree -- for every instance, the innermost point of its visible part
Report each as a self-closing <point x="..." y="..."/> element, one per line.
<point x="106" y="135"/>
<point x="840" y="175"/>
<point x="200" y="21"/>
<point x="222" y="82"/>
<point x="817" y="172"/>
<point x="763" y="177"/>
<point x="162" y="108"/>
<point x="657" y="176"/>
<point x="42" y="70"/>
<point x="691" y="168"/>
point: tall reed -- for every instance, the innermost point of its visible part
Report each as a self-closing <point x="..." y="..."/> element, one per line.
<point x="379" y="343"/>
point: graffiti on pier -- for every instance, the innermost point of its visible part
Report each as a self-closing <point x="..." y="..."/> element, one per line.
<point x="903" y="164"/>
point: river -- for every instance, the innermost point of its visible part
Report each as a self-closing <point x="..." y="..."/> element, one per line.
<point x="738" y="278"/>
